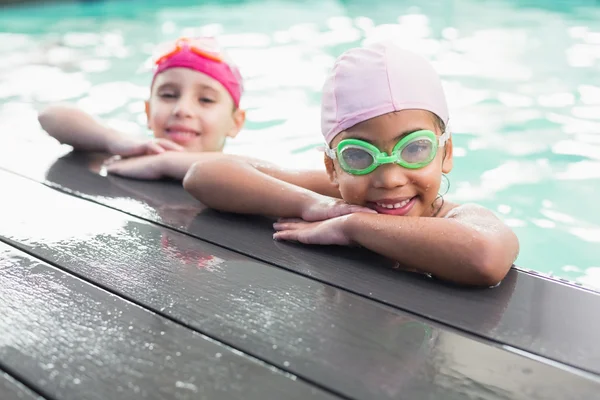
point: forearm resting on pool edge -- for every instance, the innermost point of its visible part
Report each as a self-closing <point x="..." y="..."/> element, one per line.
<point x="446" y="248"/>
<point x="74" y="127"/>
<point x="234" y="185"/>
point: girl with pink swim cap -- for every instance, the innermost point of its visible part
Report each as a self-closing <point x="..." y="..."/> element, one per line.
<point x="384" y="119"/>
<point x="193" y="107"/>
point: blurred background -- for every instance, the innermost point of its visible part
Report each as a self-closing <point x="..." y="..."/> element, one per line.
<point x="522" y="79"/>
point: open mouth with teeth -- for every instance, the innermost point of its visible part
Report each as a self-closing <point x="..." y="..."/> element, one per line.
<point x="394" y="208"/>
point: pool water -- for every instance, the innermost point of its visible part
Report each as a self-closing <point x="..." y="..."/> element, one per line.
<point x="522" y="80"/>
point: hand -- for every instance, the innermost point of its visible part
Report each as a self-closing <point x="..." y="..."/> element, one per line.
<point x="130" y="146"/>
<point x="322" y="207"/>
<point x="143" y="167"/>
<point x="331" y="231"/>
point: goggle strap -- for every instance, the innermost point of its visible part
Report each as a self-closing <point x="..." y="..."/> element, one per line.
<point x="330" y="152"/>
<point x="445" y="136"/>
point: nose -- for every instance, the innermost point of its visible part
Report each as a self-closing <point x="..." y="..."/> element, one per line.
<point x="183" y="108"/>
<point x="389" y="176"/>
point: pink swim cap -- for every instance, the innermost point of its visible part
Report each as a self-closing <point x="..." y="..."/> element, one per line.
<point x="203" y="55"/>
<point x="377" y="79"/>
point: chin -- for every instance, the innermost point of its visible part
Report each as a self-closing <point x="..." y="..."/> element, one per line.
<point x="194" y="148"/>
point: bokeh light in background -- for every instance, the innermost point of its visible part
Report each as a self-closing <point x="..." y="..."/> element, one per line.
<point x="522" y="80"/>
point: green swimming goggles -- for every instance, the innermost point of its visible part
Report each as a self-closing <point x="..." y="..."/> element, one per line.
<point x="416" y="150"/>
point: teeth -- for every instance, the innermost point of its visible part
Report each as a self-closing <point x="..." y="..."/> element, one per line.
<point x="392" y="206"/>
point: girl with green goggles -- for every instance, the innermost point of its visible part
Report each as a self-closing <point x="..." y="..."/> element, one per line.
<point x="415" y="150"/>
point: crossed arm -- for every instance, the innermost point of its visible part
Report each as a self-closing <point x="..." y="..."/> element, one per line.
<point x="471" y="246"/>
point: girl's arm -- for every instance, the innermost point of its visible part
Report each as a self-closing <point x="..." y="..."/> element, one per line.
<point x="471" y="247"/>
<point x="249" y="186"/>
<point x="74" y="127"/>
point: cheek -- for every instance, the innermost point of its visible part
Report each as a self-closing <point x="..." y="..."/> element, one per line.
<point x="215" y="119"/>
<point x="353" y="189"/>
<point x="428" y="180"/>
<point x="158" y="113"/>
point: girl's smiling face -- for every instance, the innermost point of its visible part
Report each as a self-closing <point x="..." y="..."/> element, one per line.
<point x="193" y="110"/>
<point x="390" y="188"/>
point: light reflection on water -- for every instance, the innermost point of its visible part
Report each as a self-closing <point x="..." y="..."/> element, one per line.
<point x="522" y="80"/>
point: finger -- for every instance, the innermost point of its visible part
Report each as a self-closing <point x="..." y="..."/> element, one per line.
<point x="284" y="220"/>
<point x="169" y="145"/>
<point x="111" y="160"/>
<point x="154" y="148"/>
<point x="113" y="169"/>
<point x="284" y="226"/>
<point x="285" y="235"/>
<point x="300" y="236"/>
<point x="364" y="210"/>
<point x="117" y="166"/>
<point x="345" y="210"/>
<point x="133" y="150"/>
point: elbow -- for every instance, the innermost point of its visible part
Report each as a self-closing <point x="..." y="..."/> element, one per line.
<point x="45" y="117"/>
<point x="48" y="119"/>
<point x="190" y="178"/>
<point x="490" y="263"/>
<point x="197" y="182"/>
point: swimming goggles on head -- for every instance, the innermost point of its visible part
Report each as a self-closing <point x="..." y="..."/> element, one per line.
<point x="416" y="150"/>
<point x="204" y="47"/>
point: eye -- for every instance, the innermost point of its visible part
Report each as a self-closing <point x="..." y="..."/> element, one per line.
<point x="167" y="95"/>
<point x="207" y="100"/>
<point x="417" y="151"/>
<point x="356" y="157"/>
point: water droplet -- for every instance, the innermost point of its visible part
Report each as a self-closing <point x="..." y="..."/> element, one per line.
<point x="186" y="385"/>
<point x="76" y="381"/>
<point x="218" y="355"/>
<point x="286" y="363"/>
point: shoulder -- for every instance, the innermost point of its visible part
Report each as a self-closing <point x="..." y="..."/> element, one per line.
<point x="466" y="211"/>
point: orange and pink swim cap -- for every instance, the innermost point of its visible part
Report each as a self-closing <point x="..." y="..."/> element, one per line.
<point x="204" y="55"/>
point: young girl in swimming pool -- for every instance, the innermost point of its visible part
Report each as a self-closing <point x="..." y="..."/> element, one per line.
<point x="193" y="107"/>
<point x="385" y="124"/>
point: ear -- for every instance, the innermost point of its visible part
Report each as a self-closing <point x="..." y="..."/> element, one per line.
<point x="448" y="161"/>
<point x="147" y="109"/>
<point x="239" y="118"/>
<point x="331" y="172"/>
